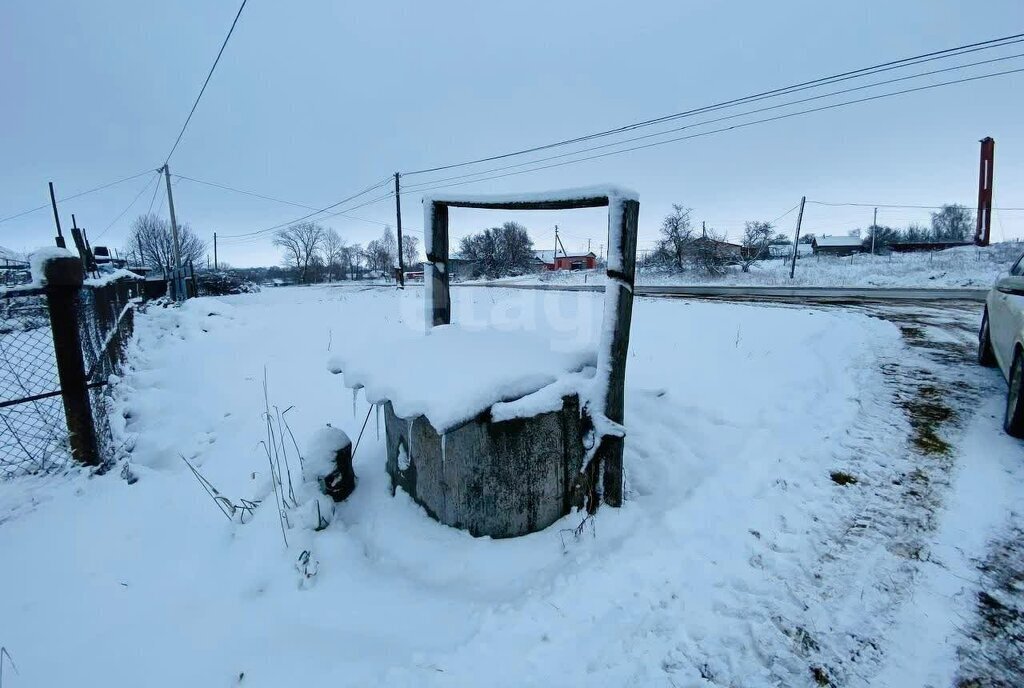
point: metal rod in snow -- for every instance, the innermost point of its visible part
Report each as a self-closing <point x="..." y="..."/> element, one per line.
<point x="796" y="237"/>
<point x="56" y="218"/>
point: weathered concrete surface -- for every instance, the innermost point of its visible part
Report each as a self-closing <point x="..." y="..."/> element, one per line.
<point x="498" y="479"/>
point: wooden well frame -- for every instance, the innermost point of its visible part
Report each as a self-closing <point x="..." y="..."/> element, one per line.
<point x="623" y="214"/>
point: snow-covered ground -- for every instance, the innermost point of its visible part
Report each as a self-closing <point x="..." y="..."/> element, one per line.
<point x="959" y="267"/>
<point x="744" y="555"/>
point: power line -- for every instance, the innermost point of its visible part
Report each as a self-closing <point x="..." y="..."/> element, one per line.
<point x="156" y="190"/>
<point x="784" y="214"/>
<point x="207" y="81"/>
<point x="891" y="205"/>
<point x="386" y="180"/>
<point x="742" y="125"/>
<point x="865" y="71"/>
<point x="242" y="191"/>
<point x="155" y="177"/>
<point x="285" y="202"/>
<point x="414" y="187"/>
<point x="77" y="195"/>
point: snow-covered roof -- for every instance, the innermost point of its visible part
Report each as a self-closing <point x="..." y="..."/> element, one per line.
<point x="549" y="255"/>
<point x="13" y="256"/>
<point x="450" y="376"/>
<point x="580" y="193"/>
<point x="839" y="241"/>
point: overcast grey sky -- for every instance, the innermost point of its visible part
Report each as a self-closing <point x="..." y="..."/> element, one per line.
<point x="315" y="100"/>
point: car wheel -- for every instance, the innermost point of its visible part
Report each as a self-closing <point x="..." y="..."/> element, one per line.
<point x="1013" y="422"/>
<point x="986" y="356"/>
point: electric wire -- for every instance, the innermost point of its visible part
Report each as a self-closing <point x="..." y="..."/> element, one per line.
<point x="156" y="177"/>
<point x="415" y="187"/>
<point x="367" y="190"/>
<point x="785" y="90"/>
<point x="741" y="125"/>
<point x="77" y="195"/>
<point x="206" y="82"/>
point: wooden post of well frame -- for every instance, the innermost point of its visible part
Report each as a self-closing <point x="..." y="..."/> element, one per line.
<point x="439" y="310"/>
<point x="621" y="278"/>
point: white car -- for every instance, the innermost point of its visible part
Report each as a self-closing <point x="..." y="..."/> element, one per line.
<point x="1001" y="341"/>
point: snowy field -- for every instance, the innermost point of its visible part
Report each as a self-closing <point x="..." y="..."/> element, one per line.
<point x="960" y="267"/>
<point x="790" y="519"/>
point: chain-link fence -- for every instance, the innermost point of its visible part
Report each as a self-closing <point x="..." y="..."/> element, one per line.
<point x="33" y="431"/>
<point x="92" y="328"/>
<point x="106" y="320"/>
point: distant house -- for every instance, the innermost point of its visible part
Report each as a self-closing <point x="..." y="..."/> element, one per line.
<point x="462" y="268"/>
<point x="726" y="249"/>
<point x="837" y="245"/>
<point x="550" y="260"/>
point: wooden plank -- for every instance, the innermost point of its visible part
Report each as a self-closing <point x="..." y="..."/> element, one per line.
<point x="610" y="452"/>
<point x="437" y="257"/>
<point x="567" y="204"/>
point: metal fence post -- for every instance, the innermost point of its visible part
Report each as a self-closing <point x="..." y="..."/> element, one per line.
<point x="63" y="284"/>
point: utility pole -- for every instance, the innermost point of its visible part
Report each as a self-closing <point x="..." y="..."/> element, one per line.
<point x="179" y="282"/>
<point x="874" y="231"/>
<point x="215" y="251"/>
<point x="588" y="244"/>
<point x="986" y="172"/>
<point x="56" y="218"/>
<point x="796" y="238"/>
<point x="703" y="229"/>
<point x="398" y="220"/>
<point x="554" y="256"/>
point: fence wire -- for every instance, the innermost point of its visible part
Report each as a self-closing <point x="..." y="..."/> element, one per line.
<point x="33" y="432"/>
<point x="33" y="427"/>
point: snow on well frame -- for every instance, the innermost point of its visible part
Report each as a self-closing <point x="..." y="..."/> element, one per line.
<point x="605" y="408"/>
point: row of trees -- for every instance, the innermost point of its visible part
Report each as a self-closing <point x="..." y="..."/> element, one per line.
<point x="317" y="253"/>
<point x="681" y="246"/>
<point x="953" y="223"/>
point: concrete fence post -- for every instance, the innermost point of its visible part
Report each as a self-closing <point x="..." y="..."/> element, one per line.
<point x="63" y="287"/>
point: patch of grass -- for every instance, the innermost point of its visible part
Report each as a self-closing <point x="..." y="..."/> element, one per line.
<point x="843" y="478"/>
<point x="927" y="411"/>
<point x="820" y="676"/>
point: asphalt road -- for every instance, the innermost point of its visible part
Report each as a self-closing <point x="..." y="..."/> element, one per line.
<point x="815" y="294"/>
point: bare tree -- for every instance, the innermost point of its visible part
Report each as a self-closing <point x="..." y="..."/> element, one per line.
<point x="952" y="223"/>
<point x="333" y="250"/>
<point x="676" y="237"/>
<point x="152" y="237"/>
<point x="710" y="254"/>
<point x="381" y="254"/>
<point x="301" y="243"/>
<point x="500" y="251"/>
<point x="757" y="236"/>
<point x="410" y="250"/>
<point x="353" y="260"/>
